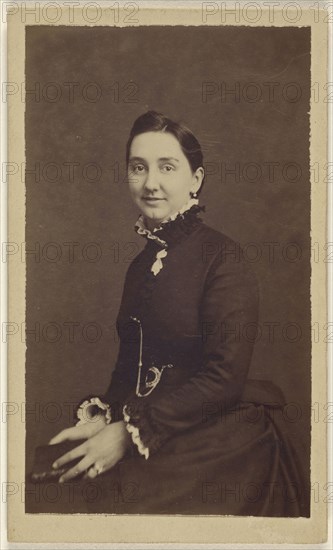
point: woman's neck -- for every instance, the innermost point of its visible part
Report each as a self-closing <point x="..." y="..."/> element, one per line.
<point x="152" y="224"/>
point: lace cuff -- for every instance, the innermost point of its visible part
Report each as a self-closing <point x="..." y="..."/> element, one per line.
<point x="134" y="431"/>
<point x="145" y="435"/>
<point x="89" y="409"/>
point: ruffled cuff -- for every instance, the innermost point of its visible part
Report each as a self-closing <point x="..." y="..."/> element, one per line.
<point x="139" y="424"/>
<point x="90" y="408"/>
<point x="135" y="434"/>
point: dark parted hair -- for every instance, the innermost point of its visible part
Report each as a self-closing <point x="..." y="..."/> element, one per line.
<point x="151" y="121"/>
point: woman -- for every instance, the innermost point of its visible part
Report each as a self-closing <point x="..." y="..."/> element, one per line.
<point x="180" y="427"/>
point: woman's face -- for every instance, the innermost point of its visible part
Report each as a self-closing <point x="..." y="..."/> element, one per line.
<point x="160" y="176"/>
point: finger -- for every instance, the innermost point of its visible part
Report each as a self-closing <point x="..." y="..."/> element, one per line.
<point x="71" y="455"/>
<point x="69" y="434"/>
<point x="91" y="474"/>
<point x="103" y="467"/>
<point x="78" y="469"/>
<point x="59" y="438"/>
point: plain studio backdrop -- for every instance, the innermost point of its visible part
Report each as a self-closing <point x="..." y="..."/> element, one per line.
<point x="245" y="94"/>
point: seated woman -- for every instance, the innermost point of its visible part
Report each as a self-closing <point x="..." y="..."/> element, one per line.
<point x="181" y="428"/>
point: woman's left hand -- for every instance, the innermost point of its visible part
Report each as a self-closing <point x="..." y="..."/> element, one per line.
<point x="106" y="448"/>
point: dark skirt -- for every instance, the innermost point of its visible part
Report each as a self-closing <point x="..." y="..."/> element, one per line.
<point x="238" y="463"/>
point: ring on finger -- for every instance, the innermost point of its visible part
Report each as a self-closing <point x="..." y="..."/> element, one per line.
<point x="98" y="468"/>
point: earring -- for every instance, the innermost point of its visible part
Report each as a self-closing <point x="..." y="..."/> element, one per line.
<point x="193" y="195"/>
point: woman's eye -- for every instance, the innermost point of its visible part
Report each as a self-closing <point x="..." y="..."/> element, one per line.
<point x="167" y="168"/>
<point x="137" y="168"/>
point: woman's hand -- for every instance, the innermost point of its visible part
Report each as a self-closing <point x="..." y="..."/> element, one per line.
<point x="81" y="431"/>
<point x="106" y="447"/>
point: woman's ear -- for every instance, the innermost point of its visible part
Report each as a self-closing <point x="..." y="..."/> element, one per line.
<point x="198" y="177"/>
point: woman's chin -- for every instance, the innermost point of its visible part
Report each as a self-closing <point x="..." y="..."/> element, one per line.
<point x="154" y="213"/>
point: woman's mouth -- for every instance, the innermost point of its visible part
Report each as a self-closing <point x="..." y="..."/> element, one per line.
<point x="152" y="199"/>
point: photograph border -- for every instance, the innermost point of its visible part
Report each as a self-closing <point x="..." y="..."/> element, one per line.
<point x="146" y="528"/>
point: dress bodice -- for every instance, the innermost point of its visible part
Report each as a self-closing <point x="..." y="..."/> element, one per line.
<point x="181" y="313"/>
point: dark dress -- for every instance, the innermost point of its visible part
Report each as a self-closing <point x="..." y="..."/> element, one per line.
<point x="215" y="442"/>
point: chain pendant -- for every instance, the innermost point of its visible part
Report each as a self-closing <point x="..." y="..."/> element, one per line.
<point x="156" y="373"/>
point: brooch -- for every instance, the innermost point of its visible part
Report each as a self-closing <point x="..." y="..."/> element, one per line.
<point x="157" y="265"/>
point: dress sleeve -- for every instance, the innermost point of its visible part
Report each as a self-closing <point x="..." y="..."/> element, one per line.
<point x="109" y="404"/>
<point x="229" y="315"/>
<point x="119" y="387"/>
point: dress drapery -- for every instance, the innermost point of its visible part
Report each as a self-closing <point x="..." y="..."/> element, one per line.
<point x="206" y="440"/>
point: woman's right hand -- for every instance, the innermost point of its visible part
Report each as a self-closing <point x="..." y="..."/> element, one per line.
<point x="81" y="431"/>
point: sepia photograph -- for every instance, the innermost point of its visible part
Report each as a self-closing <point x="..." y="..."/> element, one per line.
<point x="168" y="327"/>
<point x="187" y="424"/>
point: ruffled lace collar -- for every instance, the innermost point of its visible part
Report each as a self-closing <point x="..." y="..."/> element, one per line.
<point x="183" y="219"/>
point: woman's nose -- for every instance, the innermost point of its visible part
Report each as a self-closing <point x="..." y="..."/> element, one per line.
<point x="151" y="181"/>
